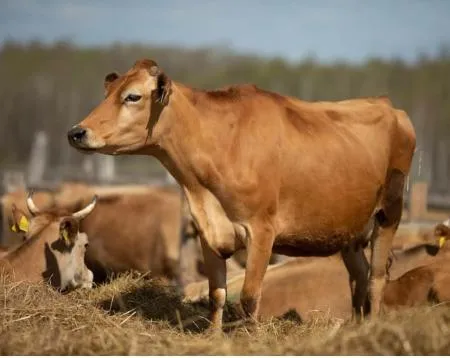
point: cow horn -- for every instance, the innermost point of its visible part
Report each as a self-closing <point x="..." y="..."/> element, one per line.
<point x="81" y="214"/>
<point x="32" y="208"/>
<point x="447" y="223"/>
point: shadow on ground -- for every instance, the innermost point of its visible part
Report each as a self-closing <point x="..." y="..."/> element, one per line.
<point x="162" y="302"/>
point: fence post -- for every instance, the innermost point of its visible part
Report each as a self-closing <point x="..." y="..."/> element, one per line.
<point x="419" y="179"/>
<point x="88" y="168"/>
<point x="38" y="158"/>
<point x="442" y="161"/>
<point x="106" y="168"/>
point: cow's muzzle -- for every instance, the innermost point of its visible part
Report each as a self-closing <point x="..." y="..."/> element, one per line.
<point x="76" y="135"/>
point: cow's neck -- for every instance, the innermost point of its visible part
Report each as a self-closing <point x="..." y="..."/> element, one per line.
<point x="189" y="143"/>
<point x="26" y="260"/>
<point x="409" y="259"/>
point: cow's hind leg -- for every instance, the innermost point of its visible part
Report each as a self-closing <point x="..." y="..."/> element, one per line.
<point x="387" y="221"/>
<point x="259" y="252"/>
<point x="358" y="268"/>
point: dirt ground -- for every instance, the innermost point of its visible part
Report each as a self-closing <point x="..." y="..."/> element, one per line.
<point x="139" y="316"/>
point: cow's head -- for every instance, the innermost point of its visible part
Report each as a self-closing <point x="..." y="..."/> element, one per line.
<point x="124" y="121"/>
<point x="64" y="247"/>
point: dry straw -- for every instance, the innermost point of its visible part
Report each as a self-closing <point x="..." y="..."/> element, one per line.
<point x="141" y="316"/>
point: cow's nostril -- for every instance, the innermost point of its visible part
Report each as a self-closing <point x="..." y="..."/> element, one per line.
<point x="76" y="134"/>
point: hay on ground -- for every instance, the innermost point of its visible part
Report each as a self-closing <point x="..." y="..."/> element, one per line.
<point x="136" y="316"/>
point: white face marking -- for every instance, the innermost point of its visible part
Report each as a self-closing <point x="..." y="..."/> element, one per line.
<point x="73" y="270"/>
<point x="447" y="223"/>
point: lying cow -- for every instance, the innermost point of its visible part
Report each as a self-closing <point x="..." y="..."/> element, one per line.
<point x="53" y="249"/>
<point x="122" y="236"/>
<point x="427" y="252"/>
<point x="321" y="284"/>
<point x="418" y="275"/>
<point x="135" y="242"/>
<point x="411" y="233"/>
<point x="159" y="243"/>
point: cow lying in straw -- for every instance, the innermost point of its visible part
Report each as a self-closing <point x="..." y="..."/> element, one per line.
<point x="53" y="249"/>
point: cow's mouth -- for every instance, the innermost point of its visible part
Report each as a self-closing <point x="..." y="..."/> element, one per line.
<point x="85" y="150"/>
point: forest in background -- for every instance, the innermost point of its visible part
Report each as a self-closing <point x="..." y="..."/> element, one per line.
<point x="52" y="87"/>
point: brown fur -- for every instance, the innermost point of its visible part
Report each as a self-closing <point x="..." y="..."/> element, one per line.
<point x="419" y="254"/>
<point x="321" y="284"/>
<point x="265" y="171"/>
<point x="3" y="251"/>
<point x="137" y="242"/>
<point x="129" y="231"/>
<point x="45" y="256"/>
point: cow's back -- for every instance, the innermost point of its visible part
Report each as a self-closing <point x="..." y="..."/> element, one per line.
<point x="137" y="232"/>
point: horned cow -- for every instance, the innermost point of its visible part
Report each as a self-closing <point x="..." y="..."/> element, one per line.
<point x="123" y="236"/>
<point x="52" y="249"/>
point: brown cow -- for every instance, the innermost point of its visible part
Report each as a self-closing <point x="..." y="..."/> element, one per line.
<point x="320" y="284"/>
<point x="122" y="236"/>
<point x="412" y="233"/>
<point x="263" y="171"/>
<point x="420" y="254"/>
<point x="193" y="265"/>
<point x="53" y="249"/>
<point x="114" y="244"/>
<point x="137" y="242"/>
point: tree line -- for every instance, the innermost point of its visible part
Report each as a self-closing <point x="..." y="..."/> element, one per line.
<point x="51" y="87"/>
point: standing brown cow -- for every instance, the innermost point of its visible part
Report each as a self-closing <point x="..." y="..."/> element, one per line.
<point x="265" y="171"/>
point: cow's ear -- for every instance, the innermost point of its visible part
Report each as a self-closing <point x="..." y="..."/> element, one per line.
<point x="163" y="85"/>
<point x="20" y="222"/>
<point x="110" y="78"/>
<point x="441" y="232"/>
<point x="442" y="241"/>
<point x="68" y="230"/>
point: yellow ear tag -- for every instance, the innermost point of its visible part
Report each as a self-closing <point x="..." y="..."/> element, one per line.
<point x="442" y="240"/>
<point x="22" y="226"/>
<point x="66" y="237"/>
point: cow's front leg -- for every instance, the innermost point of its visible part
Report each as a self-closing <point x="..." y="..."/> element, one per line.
<point x="259" y="252"/>
<point x="216" y="271"/>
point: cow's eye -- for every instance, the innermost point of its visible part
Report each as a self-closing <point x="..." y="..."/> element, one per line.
<point x="132" y="98"/>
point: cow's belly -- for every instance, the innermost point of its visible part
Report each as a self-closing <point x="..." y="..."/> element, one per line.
<point x="316" y="245"/>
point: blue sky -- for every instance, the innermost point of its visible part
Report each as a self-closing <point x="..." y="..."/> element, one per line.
<point x="329" y="29"/>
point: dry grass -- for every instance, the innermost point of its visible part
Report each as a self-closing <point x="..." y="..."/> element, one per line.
<point x="137" y="316"/>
